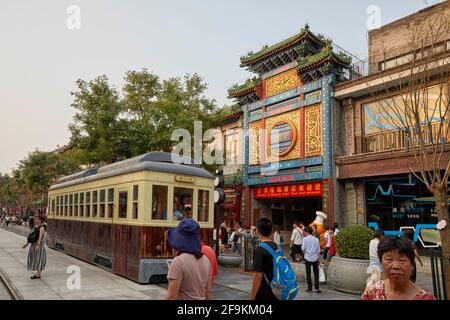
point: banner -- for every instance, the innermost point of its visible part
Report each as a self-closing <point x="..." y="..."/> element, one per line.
<point x="312" y="189"/>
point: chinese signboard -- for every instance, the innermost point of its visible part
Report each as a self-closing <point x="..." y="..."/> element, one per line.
<point x="289" y="191"/>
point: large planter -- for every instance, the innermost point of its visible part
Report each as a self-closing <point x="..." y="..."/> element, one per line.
<point x="230" y="260"/>
<point x="348" y="275"/>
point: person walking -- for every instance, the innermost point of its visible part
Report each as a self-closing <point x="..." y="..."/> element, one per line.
<point x="375" y="262"/>
<point x="327" y="242"/>
<point x="7" y="220"/>
<point x="237" y="239"/>
<point x="224" y="236"/>
<point x="211" y="255"/>
<point x="311" y="249"/>
<point x="263" y="263"/>
<point x="189" y="275"/>
<point x="277" y="237"/>
<point x="37" y="254"/>
<point x="13" y="221"/>
<point x="296" y="243"/>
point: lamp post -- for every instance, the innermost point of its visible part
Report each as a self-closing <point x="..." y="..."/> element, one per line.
<point x="219" y="199"/>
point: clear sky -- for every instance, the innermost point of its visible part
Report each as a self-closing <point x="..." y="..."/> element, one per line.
<point x="41" y="58"/>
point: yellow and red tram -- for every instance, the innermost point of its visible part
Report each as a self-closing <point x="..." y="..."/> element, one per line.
<point x="117" y="216"/>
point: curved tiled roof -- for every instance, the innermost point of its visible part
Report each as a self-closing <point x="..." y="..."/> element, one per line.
<point x="269" y="50"/>
<point x="247" y="87"/>
<point x="326" y="54"/>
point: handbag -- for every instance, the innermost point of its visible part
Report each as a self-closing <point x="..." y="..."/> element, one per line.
<point x="322" y="278"/>
<point x="33" y="236"/>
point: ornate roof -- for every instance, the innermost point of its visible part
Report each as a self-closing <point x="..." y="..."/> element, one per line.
<point x="243" y="89"/>
<point x="233" y="111"/>
<point x="325" y="55"/>
<point x="266" y="51"/>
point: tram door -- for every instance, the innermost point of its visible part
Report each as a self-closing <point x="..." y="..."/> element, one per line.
<point x="121" y="234"/>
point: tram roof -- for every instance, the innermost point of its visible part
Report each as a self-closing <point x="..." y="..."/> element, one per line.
<point x="152" y="161"/>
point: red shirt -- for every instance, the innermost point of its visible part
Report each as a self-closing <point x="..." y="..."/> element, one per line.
<point x="332" y="249"/>
<point x="211" y="255"/>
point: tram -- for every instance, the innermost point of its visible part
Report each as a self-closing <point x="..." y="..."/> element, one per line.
<point x="117" y="216"/>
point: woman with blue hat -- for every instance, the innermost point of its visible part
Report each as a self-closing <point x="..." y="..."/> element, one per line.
<point x="189" y="273"/>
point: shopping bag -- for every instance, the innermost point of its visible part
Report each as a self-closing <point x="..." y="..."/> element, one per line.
<point x="322" y="278"/>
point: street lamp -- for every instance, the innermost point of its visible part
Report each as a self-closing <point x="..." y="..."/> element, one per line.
<point x="219" y="199"/>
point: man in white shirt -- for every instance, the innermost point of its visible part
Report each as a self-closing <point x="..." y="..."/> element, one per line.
<point x="311" y="249"/>
<point x="296" y="243"/>
<point x="327" y="238"/>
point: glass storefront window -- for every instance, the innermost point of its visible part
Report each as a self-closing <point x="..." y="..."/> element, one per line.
<point x="399" y="203"/>
<point x="203" y="205"/>
<point x="182" y="203"/>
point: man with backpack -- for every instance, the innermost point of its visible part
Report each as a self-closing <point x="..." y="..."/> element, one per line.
<point x="273" y="278"/>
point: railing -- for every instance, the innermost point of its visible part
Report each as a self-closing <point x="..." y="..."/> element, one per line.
<point x="358" y="68"/>
<point x="399" y="139"/>
<point x="439" y="262"/>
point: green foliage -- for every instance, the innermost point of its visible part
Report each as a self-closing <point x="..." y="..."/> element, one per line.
<point x="352" y="242"/>
<point x="110" y="125"/>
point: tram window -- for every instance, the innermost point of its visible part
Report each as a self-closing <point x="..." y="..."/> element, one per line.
<point x="70" y="205"/>
<point x="88" y="204"/>
<point x="53" y="206"/>
<point x="66" y="203"/>
<point x="81" y="204"/>
<point x="75" y="213"/>
<point x="110" y="202"/>
<point x="123" y="204"/>
<point x="159" y="202"/>
<point x="57" y="205"/>
<point x="102" y="203"/>
<point x="203" y="205"/>
<point x="94" y="203"/>
<point x="182" y="203"/>
<point x="135" y="201"/>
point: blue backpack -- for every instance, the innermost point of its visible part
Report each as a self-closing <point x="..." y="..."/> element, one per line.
<point x="284" y="284"/>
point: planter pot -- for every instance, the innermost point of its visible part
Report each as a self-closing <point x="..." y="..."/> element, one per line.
<point x="300" y="272"/>
<point x="230" y="260"/>
<point x="348" y="275"/>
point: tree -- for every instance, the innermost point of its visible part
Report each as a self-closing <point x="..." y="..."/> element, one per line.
<point x="419" y="113"/>
<point x="110" y="126"/>
<point x="95" y="131"/>
<point x="39" y="170"/>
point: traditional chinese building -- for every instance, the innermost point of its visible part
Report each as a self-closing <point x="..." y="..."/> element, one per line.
<point x="287" y="117"/>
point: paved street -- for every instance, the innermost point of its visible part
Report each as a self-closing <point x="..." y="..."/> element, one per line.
<point x="96" y="283"/>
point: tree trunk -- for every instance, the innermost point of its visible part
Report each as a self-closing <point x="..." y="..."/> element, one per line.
<point x="442" y="212"/>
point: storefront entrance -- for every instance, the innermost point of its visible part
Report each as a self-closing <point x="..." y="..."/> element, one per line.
<point x="285" y="211"/>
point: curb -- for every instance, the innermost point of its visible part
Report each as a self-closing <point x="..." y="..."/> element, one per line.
<point x="12" y="290"/>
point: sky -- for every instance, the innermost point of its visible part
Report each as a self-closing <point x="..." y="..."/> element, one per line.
<point x="43" y="51"/>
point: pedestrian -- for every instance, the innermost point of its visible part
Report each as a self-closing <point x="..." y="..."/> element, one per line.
<point x="332" y="250"/>
<point x="189" y="274"/>
<point x="237" y="239"/>
<point x="277" y="237"/>
<point x="397" y="259"/>
<point x="263" y="263"/>
<point x="408" y="235"/>
<point x="37" y="254"/>
<point x="375" y="262"/>
<point x="13" y="221"/>
<point x="336" y="228"/>
<point x="211" y="255"/>
<point x="315" y="232"/>
<point x="224" y="236"/>
<point x="296" y="243"/>
<point x="311" y="249"/>
<point x="7" y="220"/>
<point x="327" y="242"/>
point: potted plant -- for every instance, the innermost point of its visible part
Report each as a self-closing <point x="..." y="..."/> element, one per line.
<point x="347" y="271"/>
